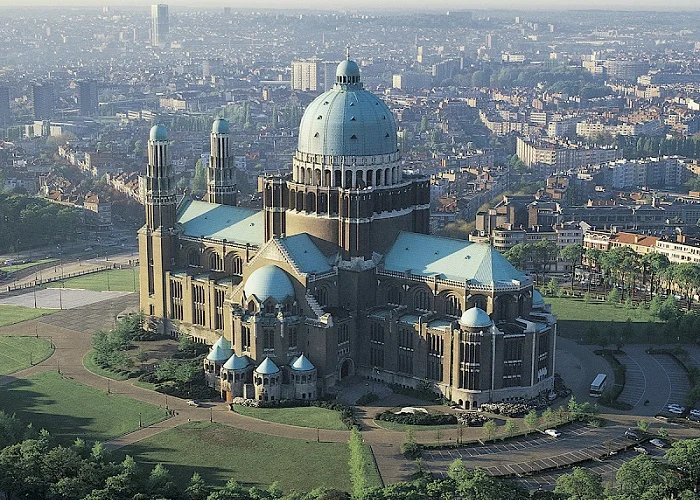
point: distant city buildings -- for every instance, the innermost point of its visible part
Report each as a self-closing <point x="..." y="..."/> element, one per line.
<point x="88" y="98"/>
<point x="43" y="98"/>
<point x="5" y="116"/>
<point x="160" y="24"/>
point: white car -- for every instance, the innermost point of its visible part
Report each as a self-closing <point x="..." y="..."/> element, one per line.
<point x="676" y="411"/>
<point x="552" y="432"/>
<point x="194" y="403"/>
<point x="641" y="449"/>
<point x="658" y="443"/>
<point x="695" y="413"/>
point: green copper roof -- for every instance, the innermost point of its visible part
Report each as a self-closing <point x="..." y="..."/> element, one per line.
<point x="267" y="367"/>
<point x="220" y="351"/>
<point x="219" y="222"/>
<point x="269" y="281"/>
<point x="457" y="260"/>
<point x="302" y="364"/>
<point x="236" y="362"/>
<point x="220" y="126"/>
<point x="158" y="133"/>
<point x="475" y="318"/>
<point x="305" y="254"/>
<point x="537" y="300"/>
<point x="347" y="120"/>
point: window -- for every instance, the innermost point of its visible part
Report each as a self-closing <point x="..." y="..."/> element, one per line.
<point x="395" y="296"/>
<point x="176" y="309"/>
<point x="199" y="315"/>
<point x="292" y="336"/>
<point x="216" y="263"/>
<point x="421" y="300"/>
<point x="512" y="362"/>
<point x="436" y="347"/>
<point x="405" y="356"/>
<point x="543" y="351"/>
<point x="322" y="296"/>
<point x="343" y="335"/>
<point x="237" y="267"/>
<point x="376" y="333"/>
<point x="219" y="307"/>
<point x="193" y="258"/>
<point x="376" y="357"/>
<point x="453" y="306"/>
<point x="245" y="338"/>
<point x="268" y="339"/>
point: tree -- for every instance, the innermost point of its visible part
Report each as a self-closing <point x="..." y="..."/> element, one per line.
<point x="511" y="427"/>
<point x="685" y="455"/>
<point x="490" y="428"/>
<point x="574" y="254"/>
<point x="544" y="252"/>
<point x="580" y="484"/>
<point x="613" y="296"/>
<point x="548" y="417"/>
<point x="531" y="420"/>
<point x="638" y="475"/>
<point x="197" y="489"/>
<point x="643" y="425"/>
<point x="519" y="254"/>
<point x="553" y="287"/>
<point x="687" y="278"/>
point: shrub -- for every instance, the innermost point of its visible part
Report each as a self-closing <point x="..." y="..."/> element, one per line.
<point x="367" y="398"/>
<point x="417" y="418"/>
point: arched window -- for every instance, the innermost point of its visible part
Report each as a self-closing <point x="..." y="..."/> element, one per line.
<point x="395" y="296"/>
<point x="453" y="306"/>
<point x="216" y="263"/>
<point x="193" y="258"/>
<point x="421" y="300"/>
<point x="237" y="266"/>
<point x="322" y="296"/>
<point x="478" y="301"/>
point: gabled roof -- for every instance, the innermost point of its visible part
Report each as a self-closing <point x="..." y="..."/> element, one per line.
<point x="305" y="253"/>
<point x="302" y="364"/>
<point x="219" y="222"/>
<point x="452" y="259"/>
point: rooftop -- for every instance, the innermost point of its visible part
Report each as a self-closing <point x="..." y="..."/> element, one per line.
<point x="222" y="222"/>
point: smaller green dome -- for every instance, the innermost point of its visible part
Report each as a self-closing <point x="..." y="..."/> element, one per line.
<point x="302" y="364"/>
<point x="220" y="351"/>
<point x="475" y="318"/>
<point x="347" y="68"/>
<point x="267" y="367"/>
<point x="220" y="126"/>
<point x="269" y="281"/>
<point x="159" y="133"/>
<point x="537" y="300"/>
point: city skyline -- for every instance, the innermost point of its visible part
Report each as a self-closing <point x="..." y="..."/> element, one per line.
<point x="522" y="5"/>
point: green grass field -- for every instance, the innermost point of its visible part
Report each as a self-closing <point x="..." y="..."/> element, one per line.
<point x="576" y="318"/>
<point x="91" y="365"/>
<point x="220" y="453"/>
<point x="11" y="314"/>
<point x="17" y="353"/>
<point x="307" y="416"/>
<point x="19" y="267"/>
<point x="395" y="426"/>
<point x="120" y="280"/>
<point x="69" y="409"/>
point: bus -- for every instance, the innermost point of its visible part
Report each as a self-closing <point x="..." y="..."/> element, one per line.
<point x="598" y="385"/>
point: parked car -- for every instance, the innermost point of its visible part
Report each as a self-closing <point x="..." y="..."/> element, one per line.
<point x="641" y="449"/>
<point x="552" y="432"/>
<point x="631" y="434"/>
<point x="658" y="443"/>
<point x="194" y="403"/>
<point x="694" y="412"/>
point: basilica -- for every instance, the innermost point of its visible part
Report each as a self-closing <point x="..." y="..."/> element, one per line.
<point x="336" y="274"/>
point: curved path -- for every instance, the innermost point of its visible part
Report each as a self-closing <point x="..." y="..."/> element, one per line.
<point x="71" y="332"/>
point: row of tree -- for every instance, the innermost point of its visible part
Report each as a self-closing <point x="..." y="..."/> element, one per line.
<point x="28" y="222"/>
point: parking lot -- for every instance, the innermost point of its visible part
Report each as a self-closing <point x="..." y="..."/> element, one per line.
<point x="533" y="453"/>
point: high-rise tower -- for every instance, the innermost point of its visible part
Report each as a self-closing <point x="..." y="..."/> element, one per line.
<point x="221" y="174"/>
<point x="43" y="98"/>
<point x="88" y="98"/>
<point x="156" y="238"/>
<point x="5" y="117"/>
<point x="160" y="24"/>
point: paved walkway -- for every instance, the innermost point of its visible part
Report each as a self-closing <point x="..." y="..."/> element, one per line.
<point x="71" y="332"/>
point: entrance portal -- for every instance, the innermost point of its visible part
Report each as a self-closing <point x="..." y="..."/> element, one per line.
<point x="346" y="368"/>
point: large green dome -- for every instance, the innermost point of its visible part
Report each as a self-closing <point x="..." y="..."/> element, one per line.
<point x="158" y="133"/>
<point x="347" y="120"/>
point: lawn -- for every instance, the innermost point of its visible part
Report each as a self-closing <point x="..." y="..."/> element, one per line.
<point x="395" y="426"/>
<point x="578" y="318"/>
<point x="17" y="353"/>
<point x="69" y="409"/>
<point x="11" y="314"/>
<point x="306" y="416"/>
<point x="120" y="280"/>
<point x="220" y="453"/>
<point x="19" y="267"/>
<point x="91" y="365"/>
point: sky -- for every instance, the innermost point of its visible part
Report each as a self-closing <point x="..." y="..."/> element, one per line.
<point x="669" y="5"/>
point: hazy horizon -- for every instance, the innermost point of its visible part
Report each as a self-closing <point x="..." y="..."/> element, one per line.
<point x="513" y="5"/>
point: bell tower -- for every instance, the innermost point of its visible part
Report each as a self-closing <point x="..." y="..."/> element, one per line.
<point x="221" y="174"/>
<point x="157" y="236"/>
